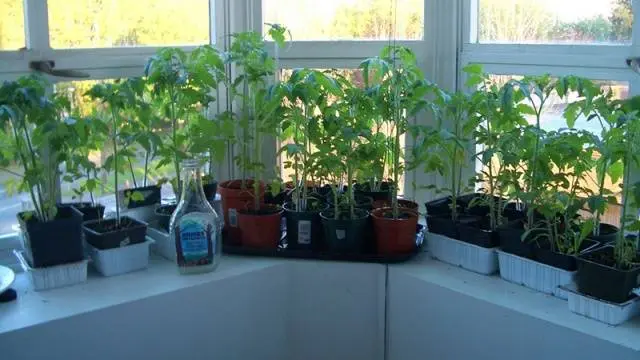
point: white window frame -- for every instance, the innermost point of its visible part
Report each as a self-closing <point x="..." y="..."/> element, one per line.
<point x="592" y="61"/>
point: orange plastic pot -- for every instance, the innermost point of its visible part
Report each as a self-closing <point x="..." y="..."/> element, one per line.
<point x="235" y="199"/>
<point x="262" y="229"/>
<point x="407" y="204"/>
<point x="395" y="236"/>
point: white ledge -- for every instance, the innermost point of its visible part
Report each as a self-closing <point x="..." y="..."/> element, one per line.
<point x="494" y="290"/>
<point x="34" y="308"/>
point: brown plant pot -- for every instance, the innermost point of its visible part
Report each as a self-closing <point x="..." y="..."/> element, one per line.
<point x="261" y="229"/>
<point x="406" y="204"/>
<point x="235" y="199"/>
<point x="395" y="236"/>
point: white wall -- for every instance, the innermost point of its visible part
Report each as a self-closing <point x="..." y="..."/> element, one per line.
<point x="427" y="321"/>
<point x="240" y="317"/>
<point x="336" y="311"/>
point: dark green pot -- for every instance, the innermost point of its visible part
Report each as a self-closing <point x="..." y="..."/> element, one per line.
<point x="345" y="235"/>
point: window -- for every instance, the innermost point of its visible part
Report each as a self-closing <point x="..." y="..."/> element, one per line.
<point x="557" y="22"/>
<point x="347" y="19"/>
<point x="118" y="23"/>
<point x="11" y="24"/>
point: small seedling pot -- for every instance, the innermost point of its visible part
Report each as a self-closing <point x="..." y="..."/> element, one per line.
<point x="304" y="228"/>
<point x="260" y="229"/>
<point x="439" y="207"/>
<point x="89" y="211"/>
<point x="479" y="234"/>
<point x="104" y="234"/>
<point x="534" y="275"/>
<point x="599" y="278"/>
<point x="53" y="276"/>
<point x="545" y="255"/>
<point x="210" y="190"/>
<point x="235" y="199"/>
<point x="163" y="215"/>
<point x="608" y="234"/>
<point x="459" y="253"/>
<point x="53" y="242"/>
<point x="121" y="260"/>
<point x="511" y="240"/>
<point x="443" y="224"/>
<point x="395" y="236"/>
<point x="383" y="194"/>
<point x="345" y="234"/>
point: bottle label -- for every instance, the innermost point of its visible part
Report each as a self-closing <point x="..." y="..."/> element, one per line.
<point x="233" y="217"/>
<point x="304" y="232"/>
<point x="195" y="236"/>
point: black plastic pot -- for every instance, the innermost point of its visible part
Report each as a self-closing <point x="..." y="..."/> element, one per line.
<point x="55" y="242"/>
<point x="443" y="225"/>
<point x="438" y="207"/>
<point x="304" y="228"/>
<point x="608" y="234"/>
<point x="103" y="234"/>
<point x="151" y="194"/>
<point x="545" y="255"/>
<point x="345" y="235"/>
<point x="163" y="214"/>
<point x="210" y="190"/>
<point x="365" y="190"/>
<point x="89" y="211"/>
<point x="597" y="276"/>
<point x="511" y="240"/>
<point x="479" y="234"/>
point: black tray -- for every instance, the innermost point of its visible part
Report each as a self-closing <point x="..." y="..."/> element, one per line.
<point x="283" y="252"/>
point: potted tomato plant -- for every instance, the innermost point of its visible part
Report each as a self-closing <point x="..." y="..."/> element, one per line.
<point x="36" y="140"/>
<point x="117" y="245"/>
<point x="398" y="89"/>
<point x="308" y="96"/>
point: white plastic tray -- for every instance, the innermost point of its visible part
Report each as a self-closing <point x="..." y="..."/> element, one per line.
<point x="465" y="255"/>
<point x="534" y="275"/>
<point x="55" y="276"/>
<point x="163" y="245"/>
<point x="603" y="311"/>
<point x="121" y="260"/>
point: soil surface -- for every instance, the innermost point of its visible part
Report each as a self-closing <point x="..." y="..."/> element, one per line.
<point x="166" y="210"/>
<point x="110" y="225"/>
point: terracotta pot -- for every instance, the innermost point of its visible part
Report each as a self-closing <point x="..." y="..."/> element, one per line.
<point x="234" y="199"/>
<point x="261" y="230"/>
<point x="395" y="236"/>
<point x="407" y="204"/>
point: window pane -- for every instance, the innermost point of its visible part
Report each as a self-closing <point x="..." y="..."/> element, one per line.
<point x="11" y="25"/>
<point x="347" y="19"/>
<point x="557" y="22"/>
<point x="11" y="202"/>
<point x="118" y="23"/>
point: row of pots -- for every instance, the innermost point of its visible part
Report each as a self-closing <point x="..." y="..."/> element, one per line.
<point x="369" y="230"/>
<point x="592" y="269"/>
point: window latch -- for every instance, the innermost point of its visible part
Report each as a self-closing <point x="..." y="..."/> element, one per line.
<point x="48" y="67"/>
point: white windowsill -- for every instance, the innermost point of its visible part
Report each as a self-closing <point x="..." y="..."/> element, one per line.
<point x="34" y="308"/>
<point x="496" y="291"/>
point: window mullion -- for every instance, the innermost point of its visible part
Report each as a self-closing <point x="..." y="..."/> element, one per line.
<point x="36" y="20"/>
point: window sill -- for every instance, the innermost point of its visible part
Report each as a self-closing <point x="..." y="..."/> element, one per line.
<point x="33" y="308"/>
<point x="512" y="298"/>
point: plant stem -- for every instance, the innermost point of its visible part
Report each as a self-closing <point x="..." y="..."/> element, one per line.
<point x="43" y="206"/>
<point x="25" y="165"/>
<point x="146" y="168"/>
<point x="174" y="139"/>
<point x="133" y="174"/>
<point x="114" y="139"/>
<point x="257" y="151"/>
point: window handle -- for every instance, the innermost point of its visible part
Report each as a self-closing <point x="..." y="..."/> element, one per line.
<point x="48" y="67"/>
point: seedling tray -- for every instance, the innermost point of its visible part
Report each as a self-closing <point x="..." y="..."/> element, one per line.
<point x="282" y="252"/>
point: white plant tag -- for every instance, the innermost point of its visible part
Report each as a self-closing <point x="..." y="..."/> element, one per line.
<point x="304" y="232"/>
<point x="341" y="234"/>
<point x="233" y="217"/>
